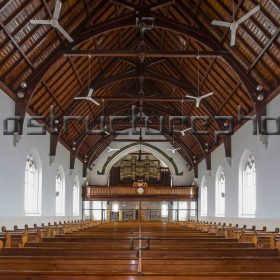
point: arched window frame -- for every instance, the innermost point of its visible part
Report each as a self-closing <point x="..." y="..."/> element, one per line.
<point x="60" y="193"/>
<point x="33" y="186"/>
<point x="247" y="186"/>
<point x="76" y="197"/>
<point x="220" y="193"/>
<point x="204" y="198"/>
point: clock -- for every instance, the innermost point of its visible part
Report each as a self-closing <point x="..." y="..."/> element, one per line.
<point x="140" y="191"/>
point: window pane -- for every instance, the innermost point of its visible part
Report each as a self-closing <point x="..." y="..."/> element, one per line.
<point x="76" y="199"/>
<point x="204" y="199"/>
<point x="164" y="210"/>
<point x="32" y="193"/>
<point x="59" y="203"/>
<point x="86" y="209"/>
<point x="220" y="194"/>
<point x="248" y="189"/>
<point x="193" y="208"/>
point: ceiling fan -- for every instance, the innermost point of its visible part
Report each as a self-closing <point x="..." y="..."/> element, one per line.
<point x="183" y="131"/>
<point x="199" y="97"/>
<point x="142" y="115"/>
<point x="233" y="26"/>
<point x="88" y="97"/>
<point x="173" y="150"/>
<point x="90" y="90"/>
<point x="106" y="131"/>
<point x="111" y="149"/>
<point x="54" y="21"/>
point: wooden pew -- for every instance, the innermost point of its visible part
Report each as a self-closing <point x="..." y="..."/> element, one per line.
<point x="175" y="251"/>
<point x="17" y="237"/>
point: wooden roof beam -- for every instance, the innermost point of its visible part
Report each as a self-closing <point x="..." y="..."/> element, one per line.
<point x="146" y="53"/>
<point x="69" y="111"/>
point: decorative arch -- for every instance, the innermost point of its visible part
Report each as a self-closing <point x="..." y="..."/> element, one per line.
<point x="60" y="191"/>
<point x="220" y="192"/>
<point x="146" y="147"/>
<point x="33" y="184"/>
<point x="247" y="190"/>
<point x="76" y="196"/>
<point x="204" y="197"/>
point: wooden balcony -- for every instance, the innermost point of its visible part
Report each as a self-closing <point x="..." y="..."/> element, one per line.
<point x="185" y="193"/>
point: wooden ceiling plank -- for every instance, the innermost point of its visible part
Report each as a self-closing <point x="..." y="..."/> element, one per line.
<point x="264" y="50"/>
<point x="49" y="44"/>
<point x="79" y="80"/>
<point x="17" y="46"/>
<point x="124" y="4"/>
<point x="241" y="39"/>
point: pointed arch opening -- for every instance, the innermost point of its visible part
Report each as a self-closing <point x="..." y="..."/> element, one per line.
<point x="33" y="184"/>
<point x="247" y="185"/>
<point x="76" y="196"/>
<point x="204" y="197"/>
<point x="60" y="192"/>
<point x="220" y="193"/>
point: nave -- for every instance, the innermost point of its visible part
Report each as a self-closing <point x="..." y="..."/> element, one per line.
<point x="137" y="137"/>
<point x="140" y="250"/>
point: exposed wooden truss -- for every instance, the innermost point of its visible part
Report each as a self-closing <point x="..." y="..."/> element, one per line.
<point x="162" y="62"/>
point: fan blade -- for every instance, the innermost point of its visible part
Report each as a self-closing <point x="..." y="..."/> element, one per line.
<point x="221" y="23"/>
<point x="93" y="101"/>
<point x="177" y="149"/>
<point x="249" y="14"/>
<point x="197" y="103"/>
<point x="57" y="9"/>
<point x="106" y="132"/>
<point x="233" y="38"/>
<point x="40" y="21"/>
<point x="64" y="33"/>
<point x="80" y="98"/>
<point x="191" y="97"/>
<point x="207" y="95"/>
<point x="187" y="129"/>
<point x="90" y="92"/>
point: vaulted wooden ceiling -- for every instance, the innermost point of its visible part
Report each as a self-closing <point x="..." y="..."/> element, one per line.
<point x="55" y="70"/>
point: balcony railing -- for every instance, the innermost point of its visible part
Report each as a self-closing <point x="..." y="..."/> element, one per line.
<point x="139" y="193"/>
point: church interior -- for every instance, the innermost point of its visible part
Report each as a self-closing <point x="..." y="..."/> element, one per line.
<point x="140" y="139"/>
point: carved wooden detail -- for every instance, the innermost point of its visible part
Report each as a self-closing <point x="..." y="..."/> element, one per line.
<point x="133" y="193"/>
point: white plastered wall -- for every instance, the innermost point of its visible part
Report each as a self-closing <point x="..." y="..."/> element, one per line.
<point x="267" y="177"/>
<point x="12" y="172"/>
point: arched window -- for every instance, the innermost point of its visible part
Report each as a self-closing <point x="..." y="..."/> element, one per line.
<point x="59" y="193"/>
<point x="247" y="186"/>
<point x="76" y="197"/>
<point x="32" y="190"/>
<point x="203" y="195"/>
<point x="220" y="193"/>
